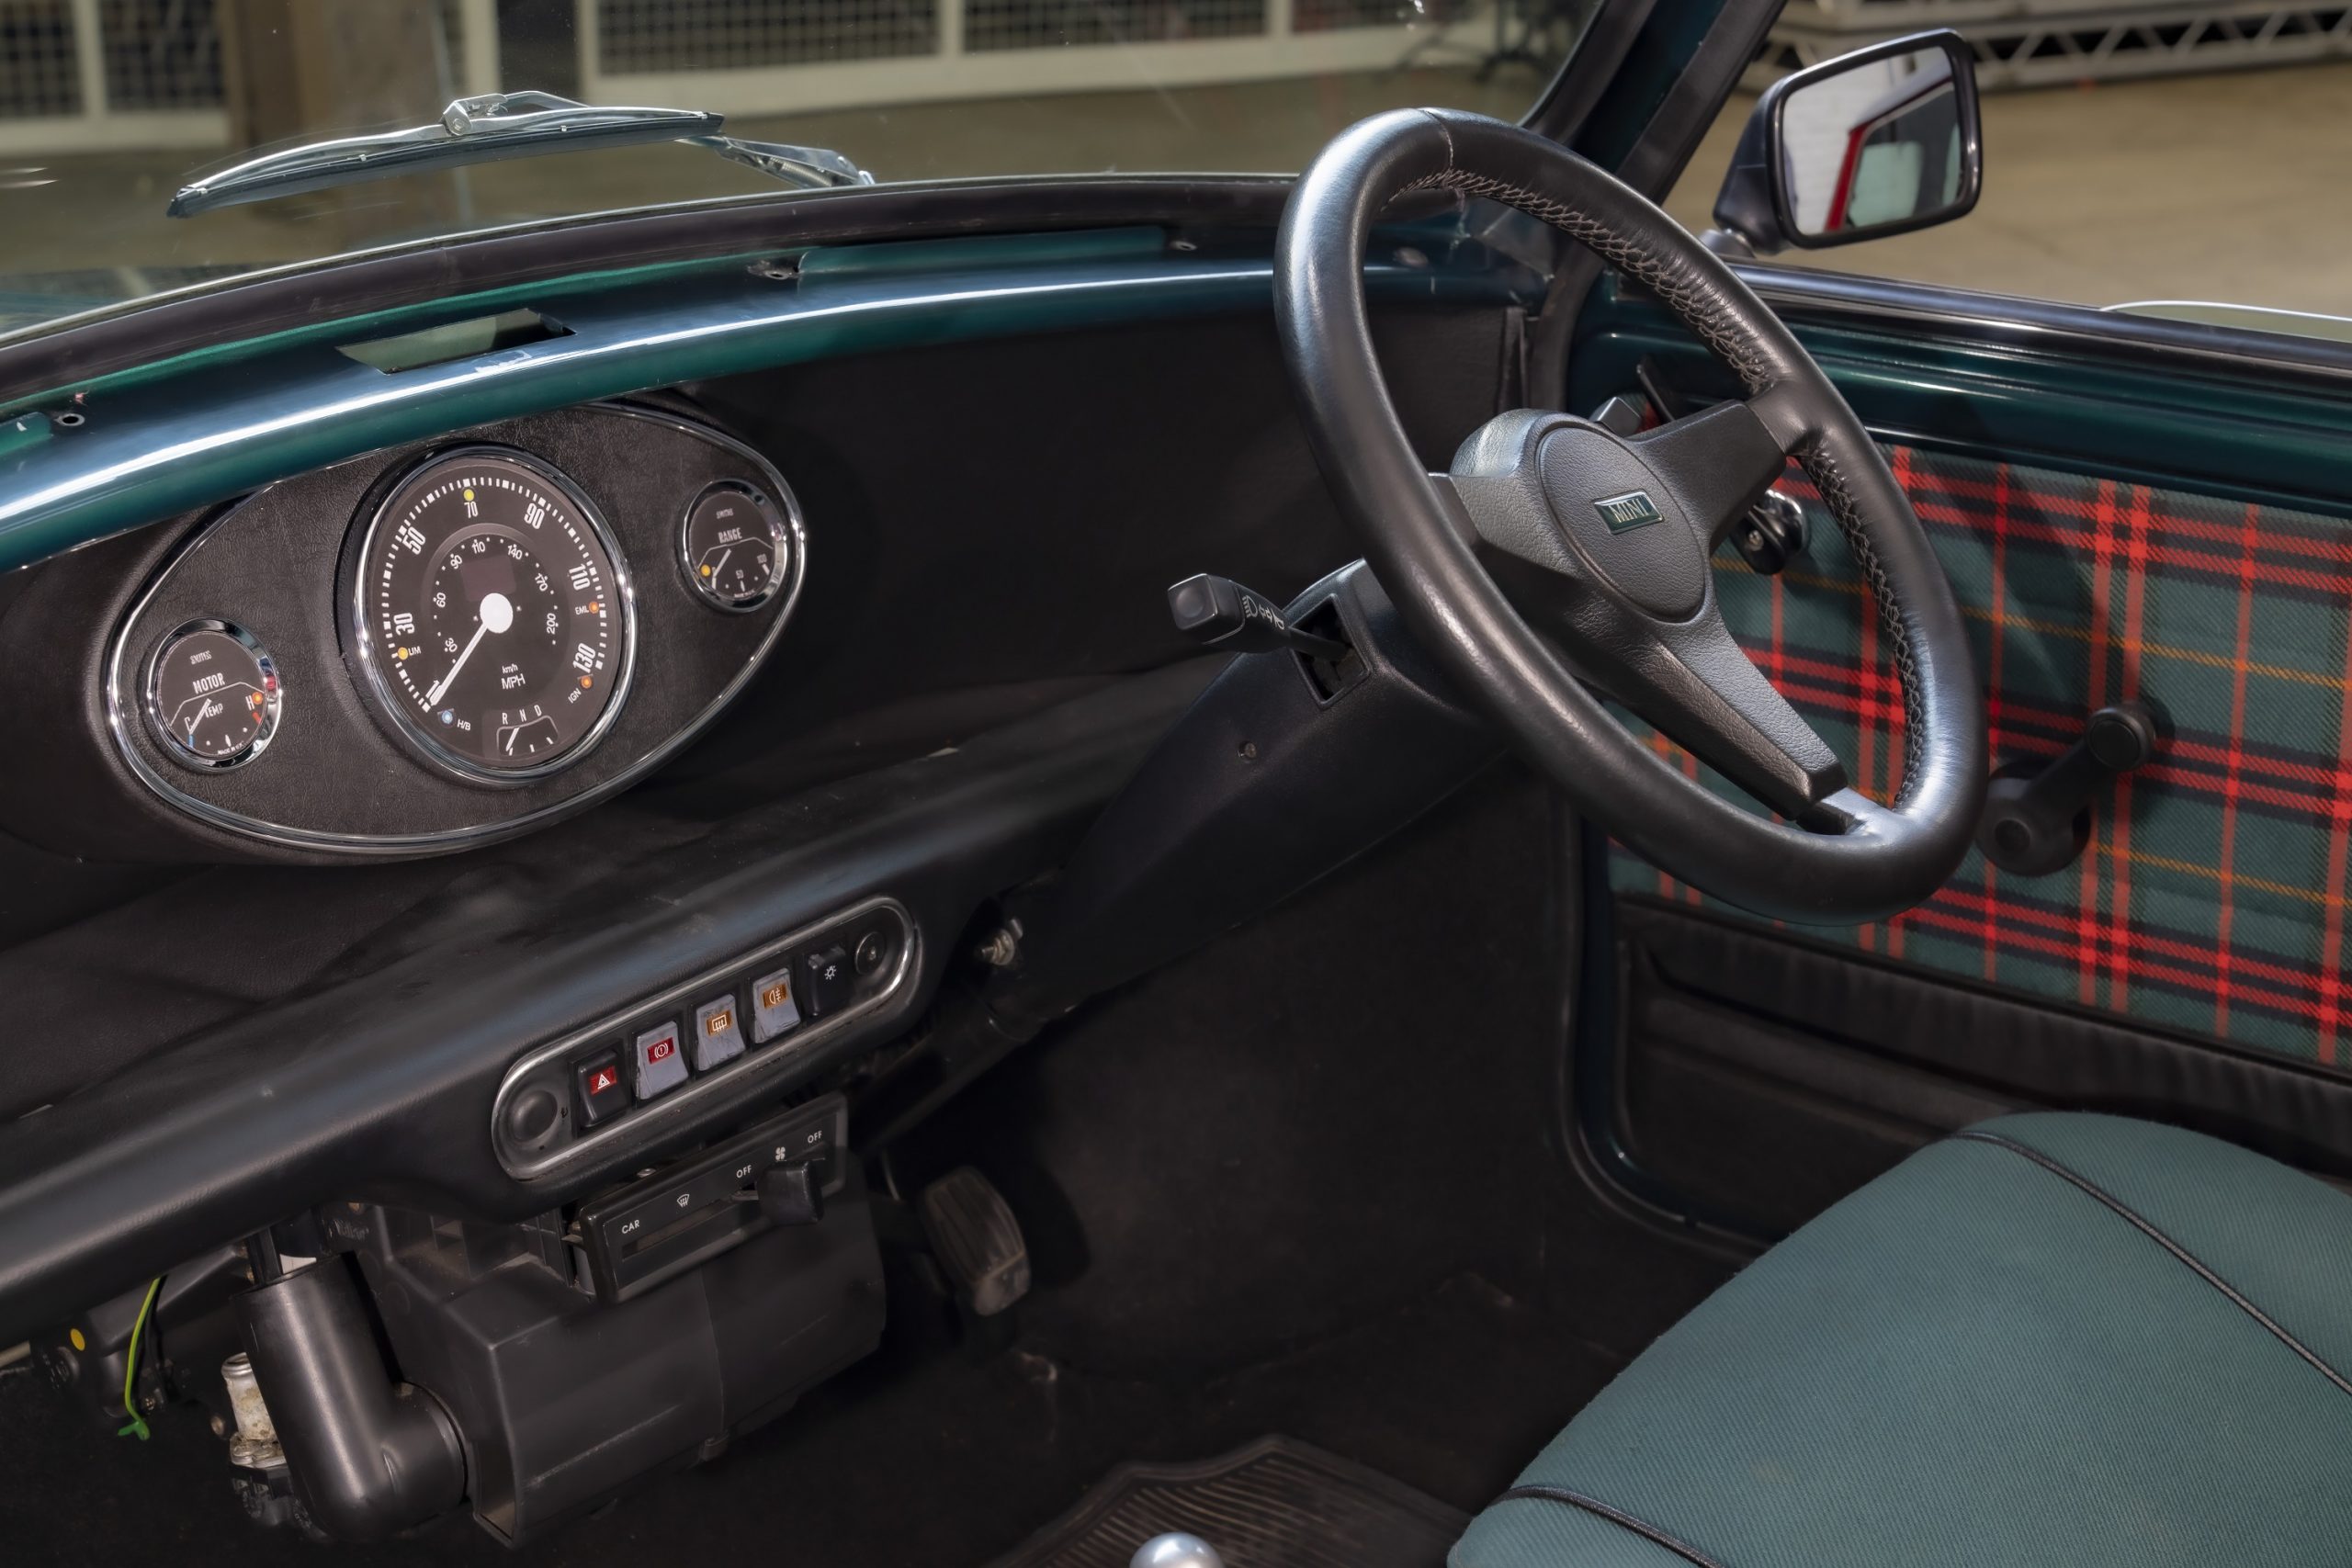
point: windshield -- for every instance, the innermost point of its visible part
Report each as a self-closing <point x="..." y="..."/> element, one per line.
<point x="109" y="110"/>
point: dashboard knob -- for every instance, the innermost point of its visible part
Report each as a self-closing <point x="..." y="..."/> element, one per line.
<point x="532" y="1115"/>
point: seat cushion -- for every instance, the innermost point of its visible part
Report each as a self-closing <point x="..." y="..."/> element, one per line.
<point x="2052" y="1339"/>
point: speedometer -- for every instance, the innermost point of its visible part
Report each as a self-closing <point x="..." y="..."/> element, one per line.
<point x="494" y="613"/>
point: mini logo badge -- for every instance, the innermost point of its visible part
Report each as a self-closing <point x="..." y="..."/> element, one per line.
<point x="1625" y="512"/>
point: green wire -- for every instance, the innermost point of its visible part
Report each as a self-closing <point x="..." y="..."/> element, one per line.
<point x="137" y="1426"/>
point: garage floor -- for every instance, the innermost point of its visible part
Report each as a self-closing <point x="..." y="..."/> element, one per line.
<point x="2225" y="187"/>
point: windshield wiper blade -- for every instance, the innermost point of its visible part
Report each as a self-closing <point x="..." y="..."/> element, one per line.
<point x="502" y="125"/>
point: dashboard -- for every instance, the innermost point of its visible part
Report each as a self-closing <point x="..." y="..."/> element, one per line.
<point x="490" y="632"/>
<point x="529" y="790"/>
<point x="557" y="795"/>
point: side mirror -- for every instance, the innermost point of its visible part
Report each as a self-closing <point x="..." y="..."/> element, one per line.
<point x="1879" y="141"/>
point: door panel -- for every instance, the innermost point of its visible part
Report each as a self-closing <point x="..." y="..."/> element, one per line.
<point x="2208" y="899"/>
<point x="2118" y="521"/>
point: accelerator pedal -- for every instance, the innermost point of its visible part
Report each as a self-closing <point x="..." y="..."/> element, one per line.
<point x="977" y="1240"/>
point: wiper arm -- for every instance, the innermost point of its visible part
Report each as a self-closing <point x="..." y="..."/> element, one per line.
<point x="502" y="125"/>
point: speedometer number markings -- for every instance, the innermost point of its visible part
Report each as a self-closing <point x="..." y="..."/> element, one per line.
<point x="494" y="601"/>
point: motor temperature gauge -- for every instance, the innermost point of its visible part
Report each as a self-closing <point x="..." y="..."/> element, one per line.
<point x="736" y="549"/>
<point x="213" y="695"/>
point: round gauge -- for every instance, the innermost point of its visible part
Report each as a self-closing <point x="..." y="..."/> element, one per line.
<point x="494" y="613"/>
<point x="736" y="548"/>
<point x="213" y="695"/>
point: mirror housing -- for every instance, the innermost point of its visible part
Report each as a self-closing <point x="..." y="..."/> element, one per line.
<point x="1882" y="141"/>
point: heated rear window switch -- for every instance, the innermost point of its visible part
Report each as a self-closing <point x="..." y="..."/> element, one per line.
<point x="719" y="1036"/>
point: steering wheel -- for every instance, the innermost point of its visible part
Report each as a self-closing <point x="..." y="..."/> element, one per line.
<point x="1556" y="557"/>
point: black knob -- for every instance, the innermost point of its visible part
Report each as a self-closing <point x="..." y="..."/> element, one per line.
<point x="2036" y="820"/>
<point x="2122" y="736"/>
<point x="1769" y="534"/>
<point x="532" y="1115"/>
<point x="792" y="1194"/>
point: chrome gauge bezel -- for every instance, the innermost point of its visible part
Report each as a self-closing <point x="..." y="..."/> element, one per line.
<point x="784" y="508"/>
<point x="151" y="700"/>
<point x="369" y="653"/>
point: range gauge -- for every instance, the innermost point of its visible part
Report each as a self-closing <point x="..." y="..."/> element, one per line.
<point x="213" y="695"/>
<point x="737" y="549"/>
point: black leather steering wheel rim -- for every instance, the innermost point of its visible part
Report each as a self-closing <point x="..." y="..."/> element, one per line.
<point x="1850" y="857"/>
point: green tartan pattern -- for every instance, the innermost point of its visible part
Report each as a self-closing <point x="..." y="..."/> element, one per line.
<point x="2211" y="897"/>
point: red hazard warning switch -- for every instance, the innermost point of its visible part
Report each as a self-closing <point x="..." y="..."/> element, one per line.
<point x="602" y="1091"/>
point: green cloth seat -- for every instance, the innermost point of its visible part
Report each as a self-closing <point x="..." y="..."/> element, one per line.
<point x="2058" y="1339"/>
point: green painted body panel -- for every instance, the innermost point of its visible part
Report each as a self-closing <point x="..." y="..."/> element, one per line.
<point x="2250" y="435"/>
<point x="381" y="323"/>
<point x="204" y="427"/>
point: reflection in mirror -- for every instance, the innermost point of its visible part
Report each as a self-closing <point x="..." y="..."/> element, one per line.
<point x="1875" y="145"/>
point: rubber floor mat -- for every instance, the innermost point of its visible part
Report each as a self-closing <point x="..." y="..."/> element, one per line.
<point x="1275" y="1504"/>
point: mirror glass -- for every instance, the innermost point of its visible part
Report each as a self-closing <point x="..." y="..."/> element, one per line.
<point x="1874" y="145"/>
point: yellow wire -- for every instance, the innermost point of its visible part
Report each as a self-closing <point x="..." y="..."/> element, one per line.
<point x="137" y="1426"/>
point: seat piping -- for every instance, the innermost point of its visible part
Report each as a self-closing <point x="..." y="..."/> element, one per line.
<point x="2127" y="1212"/>
<point x="1617" y="1516"/>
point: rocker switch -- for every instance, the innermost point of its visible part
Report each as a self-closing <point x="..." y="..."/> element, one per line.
<point x="602" y="1091"/>
<point x="792" y="1194"/>
<point x="827" y="980"/>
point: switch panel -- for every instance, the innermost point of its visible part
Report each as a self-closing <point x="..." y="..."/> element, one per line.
<point x="662" y="1224"/>
<point x="715" y="1038"/>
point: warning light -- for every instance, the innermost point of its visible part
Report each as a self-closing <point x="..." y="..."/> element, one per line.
<point x="705" y="571"/>
<point x="586" y="682"/>
<point x="469" y="492"/>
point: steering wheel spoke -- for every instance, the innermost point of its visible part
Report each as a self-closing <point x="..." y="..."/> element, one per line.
<point x="1703" y="691"/>
<point x="1720" y="462"/>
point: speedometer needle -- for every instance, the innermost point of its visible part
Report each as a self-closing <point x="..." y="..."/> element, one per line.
<point x="497" y="615"/>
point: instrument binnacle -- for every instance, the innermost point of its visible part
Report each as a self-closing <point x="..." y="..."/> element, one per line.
<point x="443" y="645"/>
